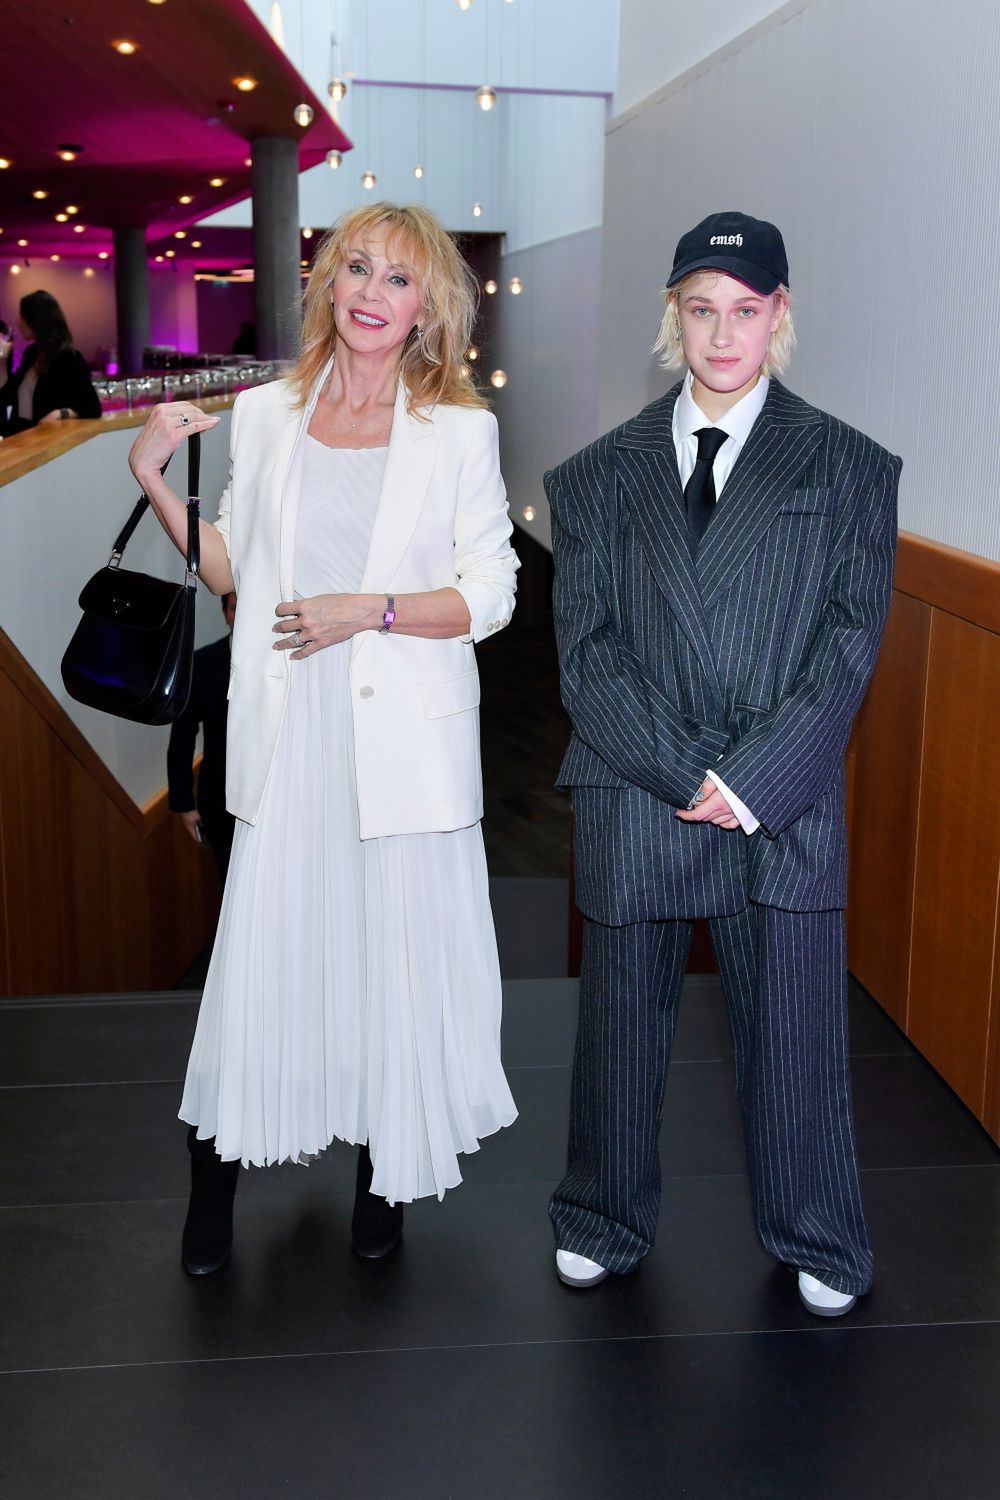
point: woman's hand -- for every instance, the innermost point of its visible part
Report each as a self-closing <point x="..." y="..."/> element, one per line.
<point x="163" y="433"/>
<point x="307" y="625"/>
<point x="50" y="416"/>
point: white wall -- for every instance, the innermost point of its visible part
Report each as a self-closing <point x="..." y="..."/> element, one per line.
<point x="661" y="39"/>
<point x="83" y="498"/>
<point x="869" y="132"/>
<point x="546" y="340"/>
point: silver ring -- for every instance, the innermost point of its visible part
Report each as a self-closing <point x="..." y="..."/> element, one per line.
<point x="298" y="638"/>
<point x="185" y="421"/>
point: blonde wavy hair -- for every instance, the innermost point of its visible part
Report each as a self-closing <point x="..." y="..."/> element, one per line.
<point x="433" y="362"/>
<point x="669" y="345"/>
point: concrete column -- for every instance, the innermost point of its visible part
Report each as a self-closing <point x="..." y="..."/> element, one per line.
<point x="131" y="298"/>
<point x="277" y="285"/>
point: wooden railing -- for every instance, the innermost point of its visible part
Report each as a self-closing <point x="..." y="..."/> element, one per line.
<point x="96" y="893"/>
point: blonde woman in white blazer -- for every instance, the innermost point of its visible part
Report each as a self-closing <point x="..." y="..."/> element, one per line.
<point x="354" y="989"/>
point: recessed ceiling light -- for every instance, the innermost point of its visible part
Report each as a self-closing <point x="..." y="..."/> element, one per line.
<point x="245" y="85"/>
<point x="170" y="254"/>
<point x="185" y="198"/>
<point x="22" y="243"/>
<point x="103" y="254"/>
<point x="125" y="48"/>
<point x="248" y="161"/>
<point x="307" y="234"/>
<point x="66" y="152"/>
<point x="62" y="218"/>
<point x="88" y="270"/>
<point x="71" y="208"/>
<point x="216" y="181"/>
<point x="180" y="234"/>
<point x="40" y="193"/>
<point x="196" y="244"/>
<point x="15" y="270"/>
<point x="4" y="163"/>
<point x="79" y="228"/>
<point x="55" y="257"/>
<point x="158" y="258"/>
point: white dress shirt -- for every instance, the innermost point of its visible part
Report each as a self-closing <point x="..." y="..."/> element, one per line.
<point x="736" y="423"/>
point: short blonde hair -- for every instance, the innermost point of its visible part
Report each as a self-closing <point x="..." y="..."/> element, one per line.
<point x="669" y="345"/>
<point x="432" y="363"/>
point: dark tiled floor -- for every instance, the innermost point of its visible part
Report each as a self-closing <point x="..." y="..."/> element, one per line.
<point x="461" y="1368"/>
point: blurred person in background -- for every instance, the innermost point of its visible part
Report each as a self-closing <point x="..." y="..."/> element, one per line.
<point x="52" y="382"/>
<point x="206" y="818"/>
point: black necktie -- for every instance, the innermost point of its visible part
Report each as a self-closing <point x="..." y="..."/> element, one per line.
<point x="699" y="492"/>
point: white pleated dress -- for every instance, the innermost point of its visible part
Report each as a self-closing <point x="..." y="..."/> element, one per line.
<point x="354" y="987"/>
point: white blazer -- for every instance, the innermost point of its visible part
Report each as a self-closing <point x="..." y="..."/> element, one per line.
<point x="442" y="520"/>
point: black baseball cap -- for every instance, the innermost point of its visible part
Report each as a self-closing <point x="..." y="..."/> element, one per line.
<point x="749" y="249"/>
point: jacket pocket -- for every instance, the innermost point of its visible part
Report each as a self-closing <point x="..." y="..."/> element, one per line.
<point x="453" y="695"/>
<point x="815" y="500"/>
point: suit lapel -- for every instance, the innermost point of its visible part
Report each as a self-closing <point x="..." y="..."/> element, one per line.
<point x="781" y="445"/>
<point x="646" y="463"/>
<point x="286" y="481"/>
<point x="412" y="450"/>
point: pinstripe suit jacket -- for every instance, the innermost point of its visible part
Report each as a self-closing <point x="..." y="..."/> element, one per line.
<point x="751" y="659"/>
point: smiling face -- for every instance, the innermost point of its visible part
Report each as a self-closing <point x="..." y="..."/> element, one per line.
<point x="725" y="328"/>
<point x="376" y="300"/>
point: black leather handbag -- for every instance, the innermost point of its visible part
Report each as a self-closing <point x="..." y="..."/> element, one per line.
<point x="132" y="652"/>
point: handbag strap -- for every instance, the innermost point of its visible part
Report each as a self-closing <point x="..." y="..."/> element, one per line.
<point x="193" y="513"/>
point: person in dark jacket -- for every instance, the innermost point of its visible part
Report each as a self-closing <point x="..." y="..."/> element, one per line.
<point x="208" y="821"/>
<point x="52" y="382"/>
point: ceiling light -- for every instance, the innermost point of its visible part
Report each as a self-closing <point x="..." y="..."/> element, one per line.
<point x="79" y="228"/>
<point x="477" y="210"/>
<point x="170" y="254"/>
<point x="125" y="48"/>
<point x="71" y="208"/>
<point x="88" y="270"/>
<point x="66" y="152"/>
<point x="333" y="160"/>
<point x="103" y="254"/>
<point x="418" y="170"/>
<point x="336" y="88"/>
<point x="307" y="234"/>
<point x="55" y="257"/>
<point x="486" y="97"/>
<point x="248" y="161"/>
<point x="515" y="286"/>
<point x="157" y="2"/>
<point x="489" y="287"/>
<point x="216" y="181"/>
<point x="368" y="180"/>
<point x="463" y="4"/>
<point x="4" y="164"/>
<point x="472" y="352"/>
<point x="22" y="243"/>
<point x="180" y="234"/>
<point x="158" y="258"/>
<point x="303" y="262"/>
<point x="528" y="512"/>
<point x="245" y="85"/>
<point x="302" y="114"/>
<point x="15" y="270"/>
<point x="185" y="198"/>
<point x="40" y="193"/>
<point x="498" y="378"/>
<point x="62" y="218"/>
<point x="196" y="244"/>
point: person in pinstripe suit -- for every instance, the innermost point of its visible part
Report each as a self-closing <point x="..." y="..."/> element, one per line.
<point x="723" y="569"/>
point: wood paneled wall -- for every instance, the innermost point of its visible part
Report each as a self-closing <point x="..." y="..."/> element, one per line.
<point x="924" y="763"/>
<point x="98" y="895"/>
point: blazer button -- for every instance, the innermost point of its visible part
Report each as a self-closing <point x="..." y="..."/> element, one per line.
<point x="367" y="692"/>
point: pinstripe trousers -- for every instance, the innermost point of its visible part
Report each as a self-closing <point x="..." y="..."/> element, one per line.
<point x="784" y="979"/>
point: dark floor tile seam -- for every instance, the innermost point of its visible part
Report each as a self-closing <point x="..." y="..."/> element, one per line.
<point x="77" y="1002"/>
<point x="624" y="1338"/>
<point x="104" y="1083"/>
<point x="521" y="1182"/>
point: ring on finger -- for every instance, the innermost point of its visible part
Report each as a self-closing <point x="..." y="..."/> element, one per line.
<point x="185" y="421"/>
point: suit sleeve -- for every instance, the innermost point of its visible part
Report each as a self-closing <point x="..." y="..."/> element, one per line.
<point x="614" y="703"/>
<point x="180" y="755"/>
<point x="485" y="562"/>
<point x="787" y="762"/>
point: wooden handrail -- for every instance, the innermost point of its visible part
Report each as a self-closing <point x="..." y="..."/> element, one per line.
<point x="960" y="583"/>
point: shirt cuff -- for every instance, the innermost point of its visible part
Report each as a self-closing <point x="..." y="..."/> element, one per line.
<point x="747" y="821"/>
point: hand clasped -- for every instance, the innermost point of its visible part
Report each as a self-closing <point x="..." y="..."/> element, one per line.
<point x="307" y="625"/>
<point x="708" y="805"/>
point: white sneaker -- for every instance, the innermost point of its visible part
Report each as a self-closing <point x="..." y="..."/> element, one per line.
<point x="823" y="1300"/>
<point x="577" y="1270"/>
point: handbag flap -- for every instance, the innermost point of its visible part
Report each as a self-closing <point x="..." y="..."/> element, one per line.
<point x="134" y="600"/>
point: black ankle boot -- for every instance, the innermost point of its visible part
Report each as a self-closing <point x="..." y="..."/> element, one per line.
<point x="208" y="1230"/>
<point x="377" y="1226"/>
